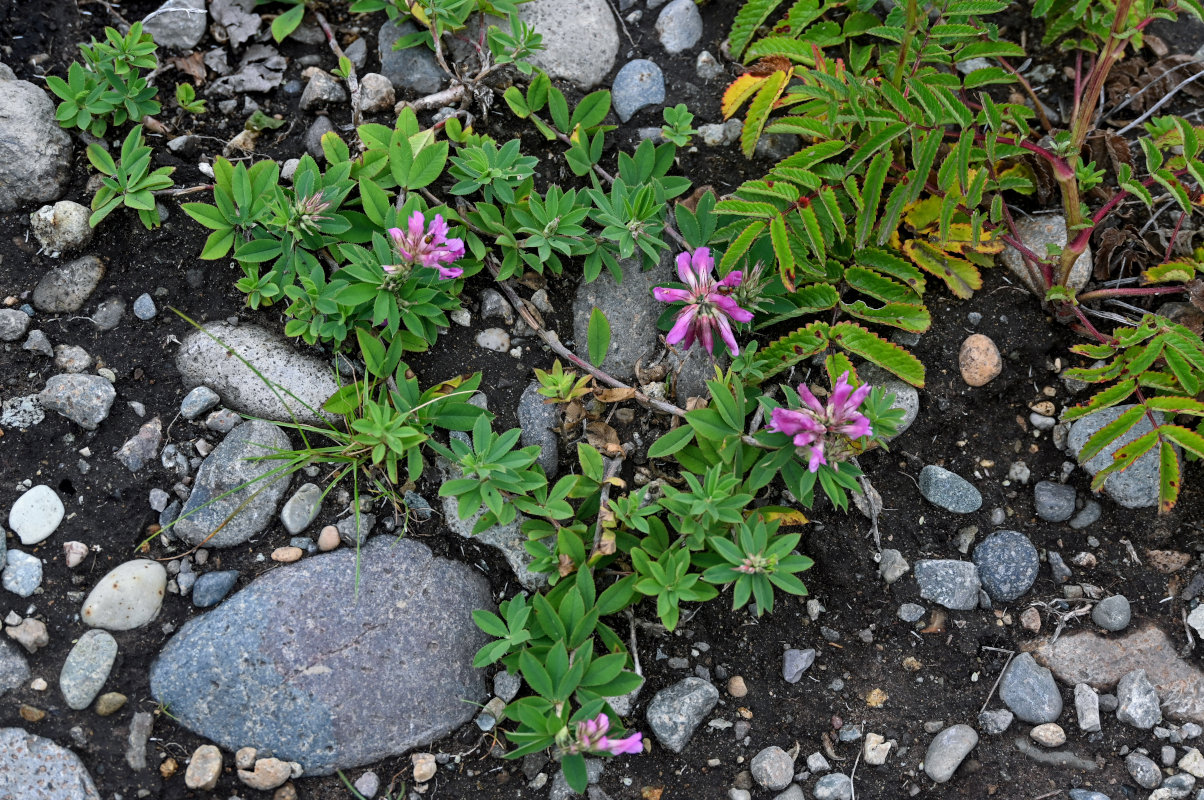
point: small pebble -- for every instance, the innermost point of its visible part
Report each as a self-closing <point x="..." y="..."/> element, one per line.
<point x="287" y="555"/>
<point x="144" y="307"/>
<point x="1050" y="734"/>
<point x="328" y="539"/>
<point x="736" y="686"/>
<point x="979" y="360"/>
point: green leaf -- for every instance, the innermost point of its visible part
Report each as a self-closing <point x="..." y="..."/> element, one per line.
<point x="962" y="277"/>
<point x="750" y="17"/>
<point x="598" y="337"/>
<point x="1168" y="477"/>
<point x="671" y="442"/>
<point x="1110" y="433"/>
<point x="575" y="775"/>
<point x="873" y="348"/>
<point x="1104" y="399"/>
<point x="287" y="22"/>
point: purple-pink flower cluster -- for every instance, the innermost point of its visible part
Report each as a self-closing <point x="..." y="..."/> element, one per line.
<point x="591" y="738"/>
<point x="709" y="304"/>
<point x="427" y="246"/>
<point x="810" y="426"/>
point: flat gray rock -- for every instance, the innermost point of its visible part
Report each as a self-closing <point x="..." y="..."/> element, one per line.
<point x="1112" y="613"/>
<point x="1139" y="704"/>
<point x="1029" y="691"/>
<point x="954" y="584"/>
<point x="414" y="68"/>
<point x="65" y="289"/>
<point x="679" y="26"/>
<point x="35" y="153"/>
<point x="677" y="711"/>
<point x="537" y="419"/>
<point x="949" y="490"/>
<point x="13" y="324"/>
<point x="34" y="767"/>
<point x="304" y="664"/>
<point x="14" y="669"/>
<point x="1036" y="232"/>
<point x="304" y="382"/>
<point x="178" y="24"/>
<point x="580" y="38"/>
<point x="302" y="508"/>
<point x="1137" y="486"/>
<point x="83" y="399"/>
<point x="1007" y="565"/>
<point x="630" y="309"/>
<point x="87" y="668"/>
<point x="230" y="465"/>
<point x="1054" y="502"/>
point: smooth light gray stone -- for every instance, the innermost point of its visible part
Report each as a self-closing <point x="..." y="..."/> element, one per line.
<point x="212" y="587"/>
<point x="795" y="663"/>
<point x="1087" y="517"/>
<point x="87" y="668"/>
<point x="308" y="665"/>
<point x="144" y="307"/>
<point x="507" y="685"/>
<point x="954" y="584"/>
<point x="1137" y="486"/>
<point x="229" y="466"/>
<point x="892" y="566"/>
<point x="354" y="532"/>
<point x="108" y="314"/>
<point x="793" y="792"/>
<point x="38" y="342"/>
<point x="629" y="307"/>
<point x="1139" y="704"/>
<point x="773" y="768"/>
<point x="35" y="153"/>
<point x="949" y="490"/>
<point x="65" y="288"/>
<point x="1143" y="770"/>
<point x="62" y="227"/>
<point x="948" y="750"/>
<point x="1086" y="708"/>
<point x="302" y="508"/>
<point x="907" y="397"/>
<point x="22" y="573"/>
<point x="911" y="612"/>
<point x="580" y="38"/>
<point x="536" y="419"/>
<point x="36" y="514"/>
<point x="639" y="83"/>
<point x="1087" y="794"/>
<point x="1007" y="565"/>
<point x="995" y="721"/>
<point x="1029" y="690"/>
<point x="836" y="786"/>
<point x="33" y="767"/>
<point x="322" y="91"/>
<point x="83" y="399"/>
<point x="1036" y="232"/>
<point x="677" y="711"/>
<point x="14" y="669"/>
<point x="305" y="382"/>
<point x="1054" y="501"/>
<point x="679" y="26"/>
<point x="1112" y="613"/>
<point x="414" y="68"/>
<point x="129" y="596"/>
<point x="198" y="401"/>
<point x="178" y="24"/>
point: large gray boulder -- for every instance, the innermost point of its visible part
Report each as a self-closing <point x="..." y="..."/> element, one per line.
<point x="35" y="153"/>
<point x="319" y="670"/>
<point x="1137" y="486"/>
<point x="580" y="38"/>
<point x="214" y="357"/>
<point x="32" y="766"/>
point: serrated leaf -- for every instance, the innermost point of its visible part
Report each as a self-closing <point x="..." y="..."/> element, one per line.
<point x="1168" y="477"/>
<point x="808" y="300"/>
<point x="962" y="277"/>
<point x="873" y="348"/>
<point x="782" y="251"/>
<point x="748" y="19"/>
<point x="1110" y="433"/>
<point x="1111" y="396"/>
<point x="738" y="92"/>
<point x="912" y="317"/>
<point x="759" y="109"/>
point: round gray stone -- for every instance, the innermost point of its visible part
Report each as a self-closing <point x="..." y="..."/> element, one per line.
<point x="773" y="768"/>
<point x="1029" y="691"/>
<point x="198" y="401"/>
<point x="954" y="584"/>
<point x="1087" y="794"/>
<point x="64" y="289"/>
<point x="109" y="313"/>
<point x="1054" y="501"/>
<point x="83" y="399"/>
<point x="302" y="508"/>
<point x="290" y="664"/>
<point x="679" y="26"/>
<point x="212" y="587"/>
<point x="911" y="612"/>
<point x="639" y="83"/>
<point x="87" y="668"/>
<point x="836" y="786"/>
<point x="1143" y="769"/>
<point x="1139" y="704"/>
<point x="144" y="307"/>
<point x="677" y="711"/>
<point x="13" y="324"/>
<point x="35" y="153"/>
<point x="232" y="465"/>
<point x="948" y="750"/>
<point x="414" y="68"/>
<point x="14" y="669"/>
<point x="1007" y="565"/>
<point x="178" y="24"/>
<point x="1112" y="613"/>
<point x="1087" y="517"/>
<point x="22" y="574"/>
<point x="949" y="490"/>
<point x="795" y="663"/>
<point x="34" y="767"/>
<point x="580" y="38"/>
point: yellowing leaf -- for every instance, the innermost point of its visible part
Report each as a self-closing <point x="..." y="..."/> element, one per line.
<point x="789" y="518"/>
<point x="739" y="91"/>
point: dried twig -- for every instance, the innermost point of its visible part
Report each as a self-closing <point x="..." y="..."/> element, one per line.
<point x="995" y="685"/>
<point x="353" y="83"/>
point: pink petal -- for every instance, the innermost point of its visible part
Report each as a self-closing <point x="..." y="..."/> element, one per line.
<point x="396" y="235"/>
<point x="416" y="225"/>
<point x="706" y="334"/>
<point x="684" y="272"/>
<point x="858" y="397"/>
<point x="683" y="328"/>
<point x="787" y="421"/>
<point x="732" y="279"/>
<point x="450" y="272"/>
<point x="840" y="392"/>
<point x="703" y="263"/>
<point x="817" y="456"/>
<point x="809" y="399"/>
<point x="455" y="247"/>
<point x="729" y="306"/>
<point x="858" y="427"/>
<point x="667" y="295"/>
<point x="725" y="331"/>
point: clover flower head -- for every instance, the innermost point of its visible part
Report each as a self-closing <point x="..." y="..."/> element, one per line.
<point x="709" y="303"/>
<point x="815" y="423"/>
<point x="591" y="738"/>
<point x="427" y="245"/>
<point x="309" y="210"/>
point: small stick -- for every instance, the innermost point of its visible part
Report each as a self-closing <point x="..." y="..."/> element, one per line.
<point x="997" y="680"/>
<point x="613" y="465"/>
<point x="352" y="81"/>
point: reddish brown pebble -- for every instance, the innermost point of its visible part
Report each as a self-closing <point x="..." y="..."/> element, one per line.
<point x="328" y="539"/>
<point x="31" y="714"/>
<point x="1030" y="620"/>
<point x="286" y="555"/>
<point x="979" y="360"/>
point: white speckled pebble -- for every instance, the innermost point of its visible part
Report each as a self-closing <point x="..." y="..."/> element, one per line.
<point x="128" y="597"/>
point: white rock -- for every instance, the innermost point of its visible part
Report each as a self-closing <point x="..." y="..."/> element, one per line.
<point x="204" y="768"/>
<point x="875" y="750"/>
<point x="74" y="553"/>
<point x="61" y="227"/>
<point x="1193" y="762"/>
<point x="1196" y="619"/>
<point x="36" y="514"/>
<point x="128" y="597"/>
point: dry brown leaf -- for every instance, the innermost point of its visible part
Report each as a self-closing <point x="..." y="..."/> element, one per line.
<point x="691" y="202"/>
<point x="876" y="698"/>
<point x="193" y="65"/>
<point x="614" y="395"/>
<point x="1167" y="561"/>
<point x="566" y="565"/>
<point x="533" y="281"/>
<point x="937" y="625"/>
<point x="603" y="437"/>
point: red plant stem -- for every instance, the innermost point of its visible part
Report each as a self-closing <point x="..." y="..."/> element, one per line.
<point x="1170" y="244"/>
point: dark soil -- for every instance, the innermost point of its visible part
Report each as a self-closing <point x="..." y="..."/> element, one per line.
<point x="975" y="432"/>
